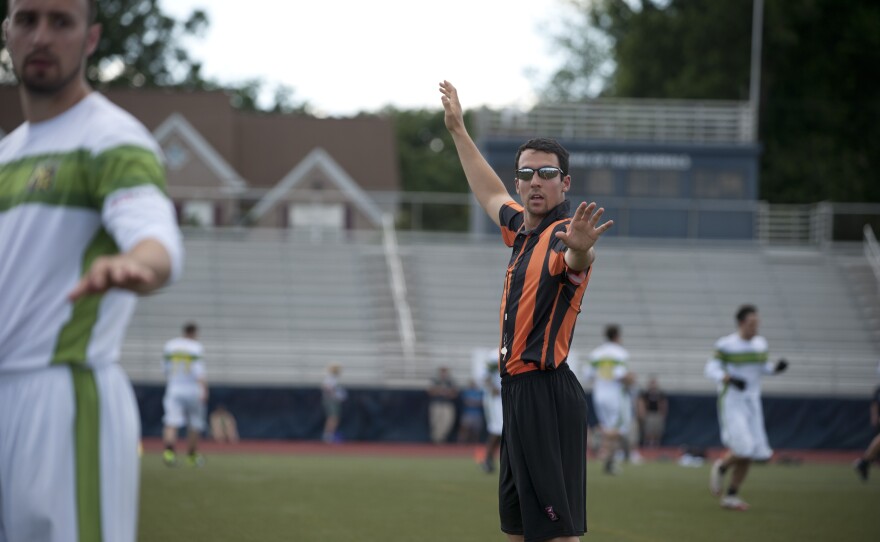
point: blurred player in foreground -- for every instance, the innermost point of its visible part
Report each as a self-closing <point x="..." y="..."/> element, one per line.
<point x="186" y="395"/>
<point x="85" y="226"/>
<point x="542" y="483"/>
<point x="739" y="363"/>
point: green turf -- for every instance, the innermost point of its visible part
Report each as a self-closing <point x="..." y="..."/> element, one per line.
<point x="298" y="498"/>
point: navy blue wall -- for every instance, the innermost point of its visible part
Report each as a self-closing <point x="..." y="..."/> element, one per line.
<point x="677" y="180"/>
<point x="384" y="415"/>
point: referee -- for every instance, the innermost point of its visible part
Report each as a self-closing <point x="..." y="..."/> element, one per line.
<point x="542" y="484"/>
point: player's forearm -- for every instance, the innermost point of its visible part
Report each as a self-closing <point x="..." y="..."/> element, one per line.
<point x="714" y="371"/>
<point x="152" y="254"/>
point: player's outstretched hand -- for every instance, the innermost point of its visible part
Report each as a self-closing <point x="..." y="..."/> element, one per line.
<point x="737" y="383"/>
<point x="120" y="271"/>
<point x="781" y="365"/>
<point x="583" y="232"/>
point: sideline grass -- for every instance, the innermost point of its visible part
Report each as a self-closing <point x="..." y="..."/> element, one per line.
<point x="306" y="498"/>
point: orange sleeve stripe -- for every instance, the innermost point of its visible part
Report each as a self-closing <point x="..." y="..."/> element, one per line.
<point x="507" y="234"/>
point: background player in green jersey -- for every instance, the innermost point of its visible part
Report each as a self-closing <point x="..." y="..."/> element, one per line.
<point x="738" y="365"/>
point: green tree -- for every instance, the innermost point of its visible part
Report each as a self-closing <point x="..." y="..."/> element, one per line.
<point x="691" y="49"/>
<point x="141" y="46"/>
<point x="818" y="104"/>
<point x="429" y="163"/>
<point x="584" y="68"/>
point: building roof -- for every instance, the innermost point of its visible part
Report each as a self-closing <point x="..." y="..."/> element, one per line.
<point x="259" y="149"/>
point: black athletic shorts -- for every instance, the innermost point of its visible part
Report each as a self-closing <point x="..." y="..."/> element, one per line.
<point x="542" y="490"/>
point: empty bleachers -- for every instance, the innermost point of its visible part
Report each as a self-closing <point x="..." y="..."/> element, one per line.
<point x="276" y="307"/>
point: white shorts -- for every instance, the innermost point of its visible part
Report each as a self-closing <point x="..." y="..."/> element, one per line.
<point x="614" y="413"/>
<point x="494" y="414"/>
<point x="184" y="409"/>
<point x="69" y="465"/>
<point x="742" y="425"/>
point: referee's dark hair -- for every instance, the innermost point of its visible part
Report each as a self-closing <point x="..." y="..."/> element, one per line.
<point x="190" y="328"/>
<point x="744" y="311"/>
<point x="612" y="332"/>
<point x="548" y="145"/>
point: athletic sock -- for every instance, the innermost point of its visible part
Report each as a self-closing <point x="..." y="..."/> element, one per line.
<point x="732" y="491"/>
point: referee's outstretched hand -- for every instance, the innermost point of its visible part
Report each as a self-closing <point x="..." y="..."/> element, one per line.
<point x="582" y="232"/>
<point x="781" y="365"/>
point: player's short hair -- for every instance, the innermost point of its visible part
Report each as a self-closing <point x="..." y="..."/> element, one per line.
<point x="744" y="311"/>
<point x="190" y="327"/>
<point x="545" y="144"/>
<point x="612" y="332"/>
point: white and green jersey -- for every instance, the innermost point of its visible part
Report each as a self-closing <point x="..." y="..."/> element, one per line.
<point x="608" y="365"/>
<point x="184" y="365"/>
<point x="485" y="372"/>
<point x="86" y="183"/>
<point x="740" y="358"/>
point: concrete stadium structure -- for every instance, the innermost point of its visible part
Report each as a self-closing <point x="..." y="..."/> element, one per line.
<point x="276" y="307"/>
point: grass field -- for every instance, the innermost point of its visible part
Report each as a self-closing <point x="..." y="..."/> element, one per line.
<point x="300" y="498"/>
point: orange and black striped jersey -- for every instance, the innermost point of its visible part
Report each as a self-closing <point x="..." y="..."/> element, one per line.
<point x="542" y="296"/>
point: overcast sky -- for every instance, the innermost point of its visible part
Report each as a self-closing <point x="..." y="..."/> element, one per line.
<point x="345" y="56"/>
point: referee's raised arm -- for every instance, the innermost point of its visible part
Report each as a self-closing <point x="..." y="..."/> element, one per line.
<point x="484" y="182"/>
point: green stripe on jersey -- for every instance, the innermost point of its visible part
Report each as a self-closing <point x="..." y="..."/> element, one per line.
<point x="87" y="448"/>
<point x="181" y="357"/>
<point x="77" y="178"/>
<point x="606" y="362"/>
<point x="742" y="358"/>
<point x="74" y="338"/>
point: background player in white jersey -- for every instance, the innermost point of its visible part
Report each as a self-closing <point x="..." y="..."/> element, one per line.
<point x="872" y="452"/>
<point x="610" y="378"/>
<point x="84" y="226"/>
<point x="487" y="373"/>
<point x="186" y="394"/>
<point x="739" y="363"/>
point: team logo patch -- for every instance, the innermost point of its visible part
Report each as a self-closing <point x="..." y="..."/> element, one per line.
<point x="551" y="513"/>
<point x="42" y="179"/>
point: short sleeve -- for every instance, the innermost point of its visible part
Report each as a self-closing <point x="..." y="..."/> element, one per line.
<point x="511" y="219"/>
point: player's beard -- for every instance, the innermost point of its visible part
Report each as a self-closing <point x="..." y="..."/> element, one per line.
<point x="47" y="86"/>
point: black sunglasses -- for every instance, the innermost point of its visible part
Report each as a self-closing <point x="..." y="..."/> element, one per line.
<point x="546" y="172"/>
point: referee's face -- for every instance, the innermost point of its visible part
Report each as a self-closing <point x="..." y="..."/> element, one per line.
<point x="540" y="195"/>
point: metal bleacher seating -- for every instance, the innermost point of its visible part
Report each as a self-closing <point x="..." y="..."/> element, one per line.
<point x="275" y="308"/>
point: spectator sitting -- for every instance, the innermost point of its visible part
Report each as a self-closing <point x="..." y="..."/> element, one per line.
<point x="223" y="426"/>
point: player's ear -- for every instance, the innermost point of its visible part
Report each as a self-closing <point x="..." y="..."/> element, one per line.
<point x="566" y="183"/>
<point x="93" y="36"/>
